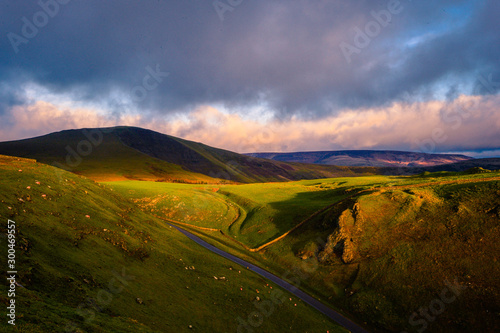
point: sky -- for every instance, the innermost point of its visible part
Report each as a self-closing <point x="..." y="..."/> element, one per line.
<point x="258" y="75"/>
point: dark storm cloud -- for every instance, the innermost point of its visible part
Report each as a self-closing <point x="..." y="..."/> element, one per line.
<point x="10" y="95"/>
<point x="283" y="53"/>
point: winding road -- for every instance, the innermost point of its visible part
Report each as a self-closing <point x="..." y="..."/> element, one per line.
<point x="335" y="316"/>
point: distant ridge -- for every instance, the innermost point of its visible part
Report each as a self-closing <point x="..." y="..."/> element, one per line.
<point x="121" y="153"/>
<point x="469" y="165"/>
<point x="371" y="158"/>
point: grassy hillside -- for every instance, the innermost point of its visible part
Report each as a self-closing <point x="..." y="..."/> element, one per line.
<point x="219" y="163"/>
<point x="381" y="248"/>
<point x="98" y="155"/>
<point x="122" y="153"/>
<point x="392" y="251"/>
<point x="91" y="261"/>
<point x="201" y="206"/>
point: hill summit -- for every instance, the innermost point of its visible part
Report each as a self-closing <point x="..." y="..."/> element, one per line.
<point x="121" y="153"/>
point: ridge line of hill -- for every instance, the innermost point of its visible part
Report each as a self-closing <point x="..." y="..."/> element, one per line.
<point x="377" y="158"/>
<point x="133" y="153"/>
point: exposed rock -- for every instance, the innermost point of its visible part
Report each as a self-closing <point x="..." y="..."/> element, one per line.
<point x="341" y="242"/>
<point x="349" y="252"/>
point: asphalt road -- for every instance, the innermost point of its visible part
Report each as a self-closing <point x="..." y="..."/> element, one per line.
<point x="335" y="316"/>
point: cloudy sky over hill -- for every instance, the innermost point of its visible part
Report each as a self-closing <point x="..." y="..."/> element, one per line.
<point x="258" y="75"/>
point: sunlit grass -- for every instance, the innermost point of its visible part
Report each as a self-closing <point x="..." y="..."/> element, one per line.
<point x="410" y="234"/>
<point x="74" y="237"/>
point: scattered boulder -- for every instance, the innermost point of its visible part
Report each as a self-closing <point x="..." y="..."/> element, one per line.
<point x="304" y="255"/>
<point x="139" y="300"/>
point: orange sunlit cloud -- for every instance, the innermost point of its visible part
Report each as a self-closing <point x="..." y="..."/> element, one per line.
<point x="467" y="123"/>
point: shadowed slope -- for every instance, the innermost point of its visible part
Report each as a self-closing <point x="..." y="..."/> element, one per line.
<point x="134" y="153"/>
<point x="98" y="154"/>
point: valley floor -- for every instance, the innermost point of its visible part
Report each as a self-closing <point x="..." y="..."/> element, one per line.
<point x="390" y="253"/>
<point x="378" y="249"/>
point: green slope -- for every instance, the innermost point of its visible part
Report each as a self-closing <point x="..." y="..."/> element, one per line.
<point x="225" y="164"/>
<point x="100" y="155"/>
<point x="89" y="260"/>
<point x="390" y="254"/>
<point x="133" y="153"/>
<point x="384" y="248"/>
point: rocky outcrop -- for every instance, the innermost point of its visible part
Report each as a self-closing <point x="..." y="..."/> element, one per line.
<point x="341" y="243"/>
